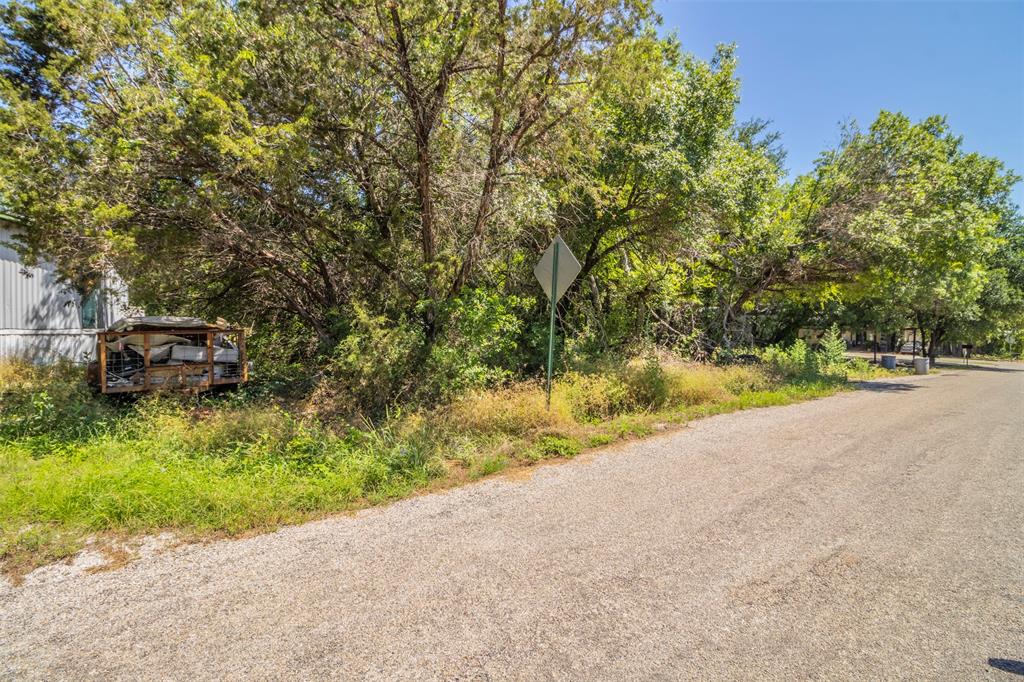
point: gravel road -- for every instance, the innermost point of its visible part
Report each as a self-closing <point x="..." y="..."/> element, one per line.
<point x="876" y="534"/>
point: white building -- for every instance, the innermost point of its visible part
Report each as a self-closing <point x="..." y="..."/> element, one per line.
<point x="42" y="319"/>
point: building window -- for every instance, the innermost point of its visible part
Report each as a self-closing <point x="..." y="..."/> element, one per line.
<point x="91" y="309"/>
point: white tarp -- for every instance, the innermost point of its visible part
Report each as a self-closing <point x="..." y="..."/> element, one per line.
<point x="128" y="324"/>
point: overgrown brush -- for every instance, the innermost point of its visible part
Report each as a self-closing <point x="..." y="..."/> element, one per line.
<point x="49" y="402"/>
<point x="73" y="464"/>
<point x="800" y="362"/>
<point x="379" y="363"/>
<point x="512" y="411"/>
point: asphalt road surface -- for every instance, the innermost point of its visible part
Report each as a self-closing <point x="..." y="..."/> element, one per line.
<point x="876" y="534"/>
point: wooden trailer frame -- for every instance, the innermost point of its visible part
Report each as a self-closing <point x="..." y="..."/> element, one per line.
<point x="181" y="376"/>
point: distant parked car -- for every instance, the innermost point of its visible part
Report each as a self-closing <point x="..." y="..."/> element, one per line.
<point x="912" y="347"/>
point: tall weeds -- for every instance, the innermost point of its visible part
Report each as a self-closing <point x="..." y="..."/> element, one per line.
<point x="73" y="464"/>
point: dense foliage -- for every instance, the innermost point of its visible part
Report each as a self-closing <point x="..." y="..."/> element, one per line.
<point x="369" y="184"/>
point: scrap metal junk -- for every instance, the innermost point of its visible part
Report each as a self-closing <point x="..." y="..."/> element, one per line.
<point x="148" y="353"/>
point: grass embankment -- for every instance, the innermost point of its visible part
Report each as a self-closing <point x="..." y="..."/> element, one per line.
<point x="75" y="467"/>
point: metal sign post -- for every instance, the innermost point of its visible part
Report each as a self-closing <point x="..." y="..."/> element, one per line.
<point x="551" y="330"/>
<point x="555" y="271"/>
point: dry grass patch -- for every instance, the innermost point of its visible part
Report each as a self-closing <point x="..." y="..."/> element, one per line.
<point x="695" y="385"/>
<point x="517" y="410"/>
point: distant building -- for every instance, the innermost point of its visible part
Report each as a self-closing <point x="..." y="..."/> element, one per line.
<point x="41" y="318"/>
<point x="854" y="338"/>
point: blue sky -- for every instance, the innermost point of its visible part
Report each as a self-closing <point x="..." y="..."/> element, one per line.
<point x="809" y="66"/>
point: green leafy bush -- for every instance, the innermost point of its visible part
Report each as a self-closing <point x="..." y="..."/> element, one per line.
<point x="48" y="401"/>
<point x="381" y="363"/>
<point x="478" y="348"/>
<point x="647" y="383"/>
<point x="793" y="362"/>
<point x="830" y="357"/>
<point x="371" y="368"/>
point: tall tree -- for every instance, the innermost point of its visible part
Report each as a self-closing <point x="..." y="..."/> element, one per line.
<point x="302" y="157"/>
<point x="935" y="231"/>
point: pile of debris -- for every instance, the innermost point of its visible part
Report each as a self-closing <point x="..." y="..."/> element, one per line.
<point x="145" y="353"/>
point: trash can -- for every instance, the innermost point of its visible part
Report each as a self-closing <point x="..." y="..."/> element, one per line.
<point x="920" y="365"/>
<point x="889" y="361"/>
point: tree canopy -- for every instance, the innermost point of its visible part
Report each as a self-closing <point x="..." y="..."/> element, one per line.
<point x="342" y="174"/>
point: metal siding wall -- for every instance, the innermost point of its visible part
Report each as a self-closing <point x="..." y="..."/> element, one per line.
<point x="47" y="347"/>
<point x="38" y="301"/>
<point x="39" y="317"/>
<point x="115" y="301"/>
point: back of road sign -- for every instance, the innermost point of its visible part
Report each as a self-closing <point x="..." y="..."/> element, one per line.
<point x="568" y="268"/>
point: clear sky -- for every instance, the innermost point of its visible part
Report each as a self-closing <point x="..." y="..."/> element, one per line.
<point x="809" y="66"/>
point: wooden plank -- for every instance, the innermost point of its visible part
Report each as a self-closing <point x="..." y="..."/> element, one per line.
<point x="209" y="358"/>
<point x="242" y="357"/>
<point x="102" y="355"/>
<point x="172" y="331"/>
<point x="166" y="371"/>
<point x="145" y="361"/>
<point x="125" y="389"/>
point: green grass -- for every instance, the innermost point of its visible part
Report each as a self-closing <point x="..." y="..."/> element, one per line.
<point x="74" y="466"/>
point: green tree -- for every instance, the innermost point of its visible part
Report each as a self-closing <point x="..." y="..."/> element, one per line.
<point x="293" y="159"/>
<point x="630" y="202"/>
<point x="933" y="236"/>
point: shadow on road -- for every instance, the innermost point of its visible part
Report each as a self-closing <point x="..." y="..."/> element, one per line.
<point x="886" y="386"/>
<point x="1007" y="665"/>
<point x="976" y="368"/>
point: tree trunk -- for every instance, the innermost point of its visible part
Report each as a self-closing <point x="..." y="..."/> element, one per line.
<point x="427" y="237"/>
<point x="933" y="345"/>
<point x="495" y="156"/>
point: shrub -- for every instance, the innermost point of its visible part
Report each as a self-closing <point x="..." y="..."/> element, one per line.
<point x="831" y="353"/>
<point x="371" y="368"/>
<point x="793" y="362"/>
<point x="380" y="363"/>
<point x="478" y="348"/>
<point x="647" y="383"/>
<point x="860" y="367"/>
<point x="280" y="356"/>
<point x="52" y="401"/>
